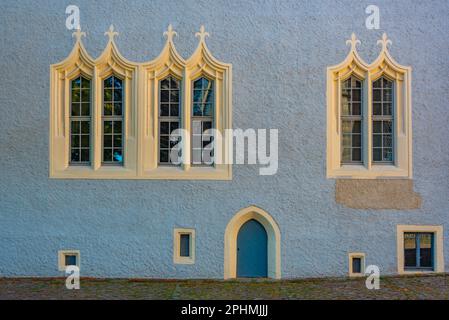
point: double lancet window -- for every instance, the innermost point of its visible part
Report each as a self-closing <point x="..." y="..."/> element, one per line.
<point x="369" y="117"/>
<point x="113" y="118"/>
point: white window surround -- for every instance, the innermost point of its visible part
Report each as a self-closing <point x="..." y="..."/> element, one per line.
<point x="177" y="258"/>
<point x="383" y="66"/>
<point x="61" y="258"/>
<point x="141" y="106"/>
<point x="360" y="255"/>
<point x="438" y="255"/>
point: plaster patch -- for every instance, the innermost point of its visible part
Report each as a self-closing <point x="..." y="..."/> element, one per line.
<point x="377" y="194"/>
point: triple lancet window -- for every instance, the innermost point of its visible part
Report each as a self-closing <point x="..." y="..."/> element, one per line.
<point x="369" y="117"/>
<point x="108" y="123"/>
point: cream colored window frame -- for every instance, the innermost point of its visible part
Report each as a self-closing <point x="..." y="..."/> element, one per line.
<point x="438" y="250"/>
<point x="360" y="255"/>
<point x="110" y="62"/>
<point x="201" y="63"/>
<point x="141" y="107"/>
<point x="177" y="258"/>
<point x="61" y="258"/>
<point x="383" y="66"/>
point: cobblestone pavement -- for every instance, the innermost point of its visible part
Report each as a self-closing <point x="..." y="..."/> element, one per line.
<point x="412" y="287"/>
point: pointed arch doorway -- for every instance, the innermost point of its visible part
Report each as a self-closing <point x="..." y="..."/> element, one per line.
<point x="252" y="233"/>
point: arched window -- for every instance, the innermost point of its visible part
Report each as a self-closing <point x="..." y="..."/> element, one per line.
<point x="383" y="121"/>
<point x="113" y="121"/>
<point x="351" y="121"/>
<point x="80" y="121"/>
<point x="202" y="120"/>
<point x="369" y="128"/>
<point x="169" y="120"/>
<point x="106" y="122"/>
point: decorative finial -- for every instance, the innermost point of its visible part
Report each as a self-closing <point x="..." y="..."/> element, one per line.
<point x="78" y="34"/>
<point x="111" y="33"/>
<point x="384" y="42"/>
<point x="353" y="42"/>
<point x="202" y="34"/>
<point x="170" y="33"/>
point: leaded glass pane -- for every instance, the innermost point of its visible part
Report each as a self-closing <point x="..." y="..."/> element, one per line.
<point x="113" y="121"/>
<point x="203" y="106"/>
<point x="351" y="121"/>
<point x="80" y="121"/>
<point x="383" y="121"/>
<point x="169" y="120"/>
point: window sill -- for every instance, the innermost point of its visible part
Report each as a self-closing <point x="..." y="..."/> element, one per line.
<point x="417" y="272"/>
<point x="222" y="172"/>
<point x="183" y="260"/>
<point x="383" y="171"/>
<point x="356" y="275"/>
<point x="87" y="172"/>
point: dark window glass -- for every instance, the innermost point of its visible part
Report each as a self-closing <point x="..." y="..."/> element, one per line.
<point x="70" y="260"/>
<point x="184" y="246"/>
<point x="356" y="265"/>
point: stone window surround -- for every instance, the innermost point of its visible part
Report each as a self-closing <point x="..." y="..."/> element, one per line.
<point x="437" y="230"/>
<point x="177" y="258"/>
<point x="383" y="66"/>
<point x="360" y="255"/>
<point x="140" y="82"/>
<point x="61" y="258"/>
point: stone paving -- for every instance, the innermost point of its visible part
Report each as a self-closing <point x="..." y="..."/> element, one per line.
<point x="411" y="287"/>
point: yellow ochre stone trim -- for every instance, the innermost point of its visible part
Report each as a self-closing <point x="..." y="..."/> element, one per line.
<point x="377" y="194"/>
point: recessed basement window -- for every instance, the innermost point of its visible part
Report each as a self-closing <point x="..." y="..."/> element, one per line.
<point x="356" y="264"/>
<point x="68" y="258"/>
<point x="184" y="246"/>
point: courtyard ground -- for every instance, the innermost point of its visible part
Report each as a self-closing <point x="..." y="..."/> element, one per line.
<point x="410" y="287"/>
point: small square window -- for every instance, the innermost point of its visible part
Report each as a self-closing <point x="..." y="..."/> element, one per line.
<point x="68" y="258"/>
<point x="184" y="246"/>
<point x="356" y="264"/>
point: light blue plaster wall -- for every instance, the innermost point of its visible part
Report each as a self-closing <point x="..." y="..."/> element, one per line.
<point x="279" y="51"/>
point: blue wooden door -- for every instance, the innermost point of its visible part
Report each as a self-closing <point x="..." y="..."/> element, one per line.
<point x="252" y="250"/>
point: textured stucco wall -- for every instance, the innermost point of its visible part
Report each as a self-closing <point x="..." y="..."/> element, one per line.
<point x="279" y="51"/>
